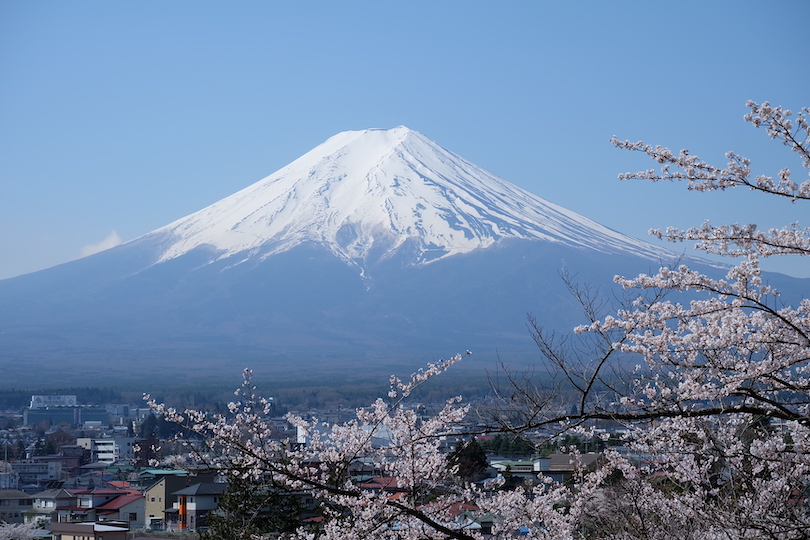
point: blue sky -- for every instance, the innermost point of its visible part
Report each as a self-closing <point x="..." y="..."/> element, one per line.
<point x="124" y="116"/>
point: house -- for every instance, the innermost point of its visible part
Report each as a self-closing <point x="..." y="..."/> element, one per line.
<point x="93" y="498"/>
<point x="159" y="495"/>
<point x="128" y="508"/>
<point x="47" y="505"/>
<point x="364" y="466"/>
<point x="13" y="505"/>
<point x="194" y="503"/>
<point x="123" y="506"/>
<point x="379" y="483"/>
<point x="92" y="505"/>
<point x="467" y="517"/>
<point x="560" y="467"/>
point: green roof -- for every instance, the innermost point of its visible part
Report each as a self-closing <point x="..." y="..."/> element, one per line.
<point x="163" y="472"/>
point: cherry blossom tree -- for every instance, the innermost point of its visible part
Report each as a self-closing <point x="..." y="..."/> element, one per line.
<point x="719" y="404"/>
<point x="727" y="374"/>
<point x="398" y="442"/>
<point x="715" y="415"/>
<point x="18" y="531"/>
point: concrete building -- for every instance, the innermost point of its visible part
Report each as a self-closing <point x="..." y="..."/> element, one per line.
<point x="75" y="416"/>
<point x="31" y="471"/>
<point x="107" y="450"/>
<point x="43" y="402"/>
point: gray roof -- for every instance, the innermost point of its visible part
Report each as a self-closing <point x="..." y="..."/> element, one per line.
<point x="206" y="488"/>
<point x="14" y="494"/>
<point x="59" y="493"/>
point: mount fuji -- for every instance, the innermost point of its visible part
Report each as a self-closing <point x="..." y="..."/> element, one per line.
<point x="365" y="195"/>
<point x="376" y="251"/>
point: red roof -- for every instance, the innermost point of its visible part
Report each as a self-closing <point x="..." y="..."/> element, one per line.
<point x="97" y="491"/>
<point x="119" y="483"/>
<point x="457" y="508"/>
<point x="380" y="482"/>
<point x="120" y="502"/>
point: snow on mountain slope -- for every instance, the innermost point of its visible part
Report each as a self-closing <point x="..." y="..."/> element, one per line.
<point x="377" y="189"/>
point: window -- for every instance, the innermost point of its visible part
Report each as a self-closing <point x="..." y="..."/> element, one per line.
<point x="153" y="499"/>
<point x="133" y="516"/>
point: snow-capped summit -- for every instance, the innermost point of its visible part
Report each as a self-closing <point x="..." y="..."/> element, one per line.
<point x="364" y="194"/>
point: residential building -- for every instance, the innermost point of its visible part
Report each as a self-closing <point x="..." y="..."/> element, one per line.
<point x="194" y="503"/>
<point x="47" y="504"/>
<point x="128" y="508"/>
<point x="109" y="450"/>
<point x="160" y="495"/>
<point x="93" y="498"/>
<point x="14" y="504"/>
<point x="119" y="505"/>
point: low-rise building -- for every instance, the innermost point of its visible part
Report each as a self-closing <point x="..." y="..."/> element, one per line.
<point x="108" y="450"/>
<point x="195" y="502"/>
<point x="14" y="504"/>
<point x="31" y="471"/>
<point x="47" y="505"/>
<point x="128" y="508"/>
<point x="75" y="416"/>
<point x="159" y="495"/>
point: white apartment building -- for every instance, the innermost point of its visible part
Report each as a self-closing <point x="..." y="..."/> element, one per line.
<point x="109" y="450"/>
